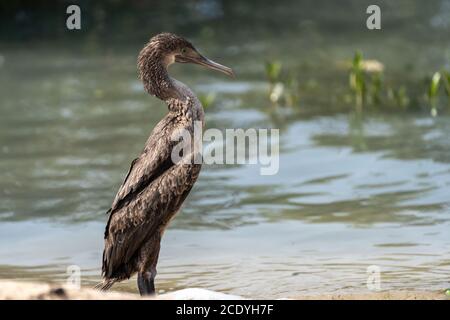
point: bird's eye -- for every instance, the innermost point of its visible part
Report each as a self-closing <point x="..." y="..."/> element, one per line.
<point x="183" y="51"/>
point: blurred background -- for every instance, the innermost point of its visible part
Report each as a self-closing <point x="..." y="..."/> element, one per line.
<point x="364" y="137"/>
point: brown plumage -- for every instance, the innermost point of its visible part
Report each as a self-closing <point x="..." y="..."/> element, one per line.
<point x="155" y="187"/>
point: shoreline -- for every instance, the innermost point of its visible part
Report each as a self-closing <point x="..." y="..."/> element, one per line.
<point x="16" y="290"/>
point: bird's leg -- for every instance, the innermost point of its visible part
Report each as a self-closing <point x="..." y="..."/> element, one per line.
<point x="147" y="271"/>
<point x="146" y="283"/>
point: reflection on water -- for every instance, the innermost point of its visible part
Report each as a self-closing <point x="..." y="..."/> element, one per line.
<point x="353" y="190"/>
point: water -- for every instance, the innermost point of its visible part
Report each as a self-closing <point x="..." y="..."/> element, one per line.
<point x="353" y="190"/>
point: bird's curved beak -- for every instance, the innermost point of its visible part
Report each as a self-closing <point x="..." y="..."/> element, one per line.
<point x="203" y="61"/>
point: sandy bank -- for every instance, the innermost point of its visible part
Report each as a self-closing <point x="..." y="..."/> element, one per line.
<point x="27" y="290"/>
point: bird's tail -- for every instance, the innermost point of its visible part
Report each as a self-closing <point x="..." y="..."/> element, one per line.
<point x="105" y="285"/>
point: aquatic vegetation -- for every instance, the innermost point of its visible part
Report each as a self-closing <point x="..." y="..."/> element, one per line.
<point x="399" y="97"/>
<point x="283" y="88"/>
<point x="446" y="80"/>
<point x="276" y="92"/>
<point x="433" y="90"/>
<point x="357" y="79"/>
<point x="273" y="71"/>
<point x="207" y="100"/>
<point x="366" y="80"/>
<point x="292" y="93"/>
<point x="276" y="88"/>
<point x="375" y="88"/>
<point x="369" y="87"/>
<point x="434" y="85"/>
<point x="439" y="78"/>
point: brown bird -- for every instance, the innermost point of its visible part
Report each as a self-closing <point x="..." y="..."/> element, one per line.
<point x="155" y="186"/>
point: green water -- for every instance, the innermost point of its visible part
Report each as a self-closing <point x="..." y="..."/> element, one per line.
<point x="353" y="189"/>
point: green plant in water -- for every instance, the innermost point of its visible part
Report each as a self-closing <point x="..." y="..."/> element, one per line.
<point x="366" y="80"/>
<point x="207" y="99"/>
<point x="273" y="71"/>
<point x="357" y="79"/>
<point x="446" y="81"/>
<point x="291" y="94"/>
<point x="276" y="88"/>
<point x="281" y="89"/>
<point x="439" y="78"/>
<point x="276" y="91"/>
<point x="399" y="96"/>
<point x="376" y="86"/>
<point x="433" y="91"/>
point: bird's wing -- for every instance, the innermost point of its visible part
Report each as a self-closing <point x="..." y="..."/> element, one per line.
<point x="121" y="245"/>
<point x="139" y="223"/>
<point x="154" y="160"/>
<point x="123" y="235"/>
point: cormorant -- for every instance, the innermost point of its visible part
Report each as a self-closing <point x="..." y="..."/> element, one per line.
<point x="155" y="187"/>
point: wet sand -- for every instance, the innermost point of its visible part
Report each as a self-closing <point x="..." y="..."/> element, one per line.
<point x="13" y="290"/>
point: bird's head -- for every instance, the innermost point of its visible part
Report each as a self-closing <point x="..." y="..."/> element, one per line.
<point x="170" y="48"/>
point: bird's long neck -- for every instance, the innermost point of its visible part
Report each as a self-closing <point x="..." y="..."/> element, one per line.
<point x="153" y="73"/>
